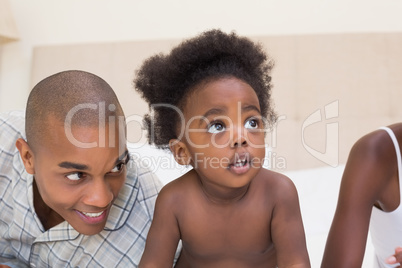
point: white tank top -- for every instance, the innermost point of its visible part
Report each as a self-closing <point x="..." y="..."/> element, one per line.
<point x="386" y="227"/>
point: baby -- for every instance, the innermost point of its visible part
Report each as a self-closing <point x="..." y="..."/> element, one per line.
<point x="210" y="101"/>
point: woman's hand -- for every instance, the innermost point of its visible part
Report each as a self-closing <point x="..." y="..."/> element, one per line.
<point x="396" y="258"/>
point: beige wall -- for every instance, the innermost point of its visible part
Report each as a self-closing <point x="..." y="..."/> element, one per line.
<point x="351" y="81"/>
<point x="49" y="22"/>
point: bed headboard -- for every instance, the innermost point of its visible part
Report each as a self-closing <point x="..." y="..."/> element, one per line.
<point x="328" y="89"/>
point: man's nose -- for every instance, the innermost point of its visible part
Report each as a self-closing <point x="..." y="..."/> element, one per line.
<point x="98" y="194"/>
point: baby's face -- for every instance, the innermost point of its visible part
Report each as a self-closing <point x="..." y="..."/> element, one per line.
<point x="224" y="132"/>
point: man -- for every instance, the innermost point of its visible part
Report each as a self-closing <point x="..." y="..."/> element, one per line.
<point x="69" y="193"/>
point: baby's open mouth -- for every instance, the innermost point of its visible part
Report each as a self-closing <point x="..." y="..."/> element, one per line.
<point x="240" y="162"/>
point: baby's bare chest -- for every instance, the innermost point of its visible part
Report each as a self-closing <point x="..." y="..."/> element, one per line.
<point x="240" y="232"/>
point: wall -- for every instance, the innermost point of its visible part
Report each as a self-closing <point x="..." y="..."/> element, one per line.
<point x="47" y="22"/>
<point x="323" y="84"/>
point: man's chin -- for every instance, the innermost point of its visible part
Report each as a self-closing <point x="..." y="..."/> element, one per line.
<point x="89" y="230"/>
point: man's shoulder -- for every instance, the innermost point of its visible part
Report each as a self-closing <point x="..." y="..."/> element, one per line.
<point x="12" y="118"/>
<point x="147" y="181"/>
<point x="12" y="125"/>
<point x="137" y="197"/>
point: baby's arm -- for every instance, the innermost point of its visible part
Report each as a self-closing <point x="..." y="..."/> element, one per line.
<point x="287" y="227"/>
<point x="164" y="235"/>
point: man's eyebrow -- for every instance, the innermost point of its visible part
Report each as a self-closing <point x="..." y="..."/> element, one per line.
<point x="121" y="157"/>
<point x="71" y="165"/>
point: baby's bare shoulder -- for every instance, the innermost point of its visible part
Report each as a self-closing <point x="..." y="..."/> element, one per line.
<point x="275" y="183"/>
<point x="271" y="178"/>
<point x="186" y="180"/>
<point x="179" y="189"/>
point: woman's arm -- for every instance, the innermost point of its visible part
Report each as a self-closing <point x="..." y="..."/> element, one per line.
<point x="367" y="172"/>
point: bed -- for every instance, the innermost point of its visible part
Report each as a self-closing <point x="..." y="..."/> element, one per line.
<point x="329" y="90"/>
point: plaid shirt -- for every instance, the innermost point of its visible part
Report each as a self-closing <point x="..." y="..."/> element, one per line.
<point x="23" y="239"/>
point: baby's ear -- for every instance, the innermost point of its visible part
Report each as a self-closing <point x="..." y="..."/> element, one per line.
<point x="26" y="155"/>
<point x="179" y="151"/>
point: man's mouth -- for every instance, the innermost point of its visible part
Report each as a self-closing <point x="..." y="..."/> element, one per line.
<point x="92" y="215"/>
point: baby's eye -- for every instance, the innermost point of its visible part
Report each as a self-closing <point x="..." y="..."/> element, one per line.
<point x="251" y="123"/>
<point x="75" y="176"/>
<point x="216" y="127"/>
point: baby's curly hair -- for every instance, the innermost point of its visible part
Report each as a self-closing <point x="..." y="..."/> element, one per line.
<point x="168" y="79"/>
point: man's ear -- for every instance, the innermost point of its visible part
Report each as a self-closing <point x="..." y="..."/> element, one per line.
<point x="26" y="155"/>
<point x="180" y="153"/>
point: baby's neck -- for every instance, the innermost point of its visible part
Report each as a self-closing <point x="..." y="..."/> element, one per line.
<point x="223" y="196"/>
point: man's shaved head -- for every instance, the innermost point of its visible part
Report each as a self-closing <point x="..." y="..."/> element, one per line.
<point x="76" y="93"/>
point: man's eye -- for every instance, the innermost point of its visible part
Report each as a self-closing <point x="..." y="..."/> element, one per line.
<point x="75" y="176"/>
<point x="117" y="168"/>
<point x="216" y="128"/>
<point x="251" y="123"/>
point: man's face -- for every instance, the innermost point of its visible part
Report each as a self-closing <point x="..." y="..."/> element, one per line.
<point x="80" y="184"/>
